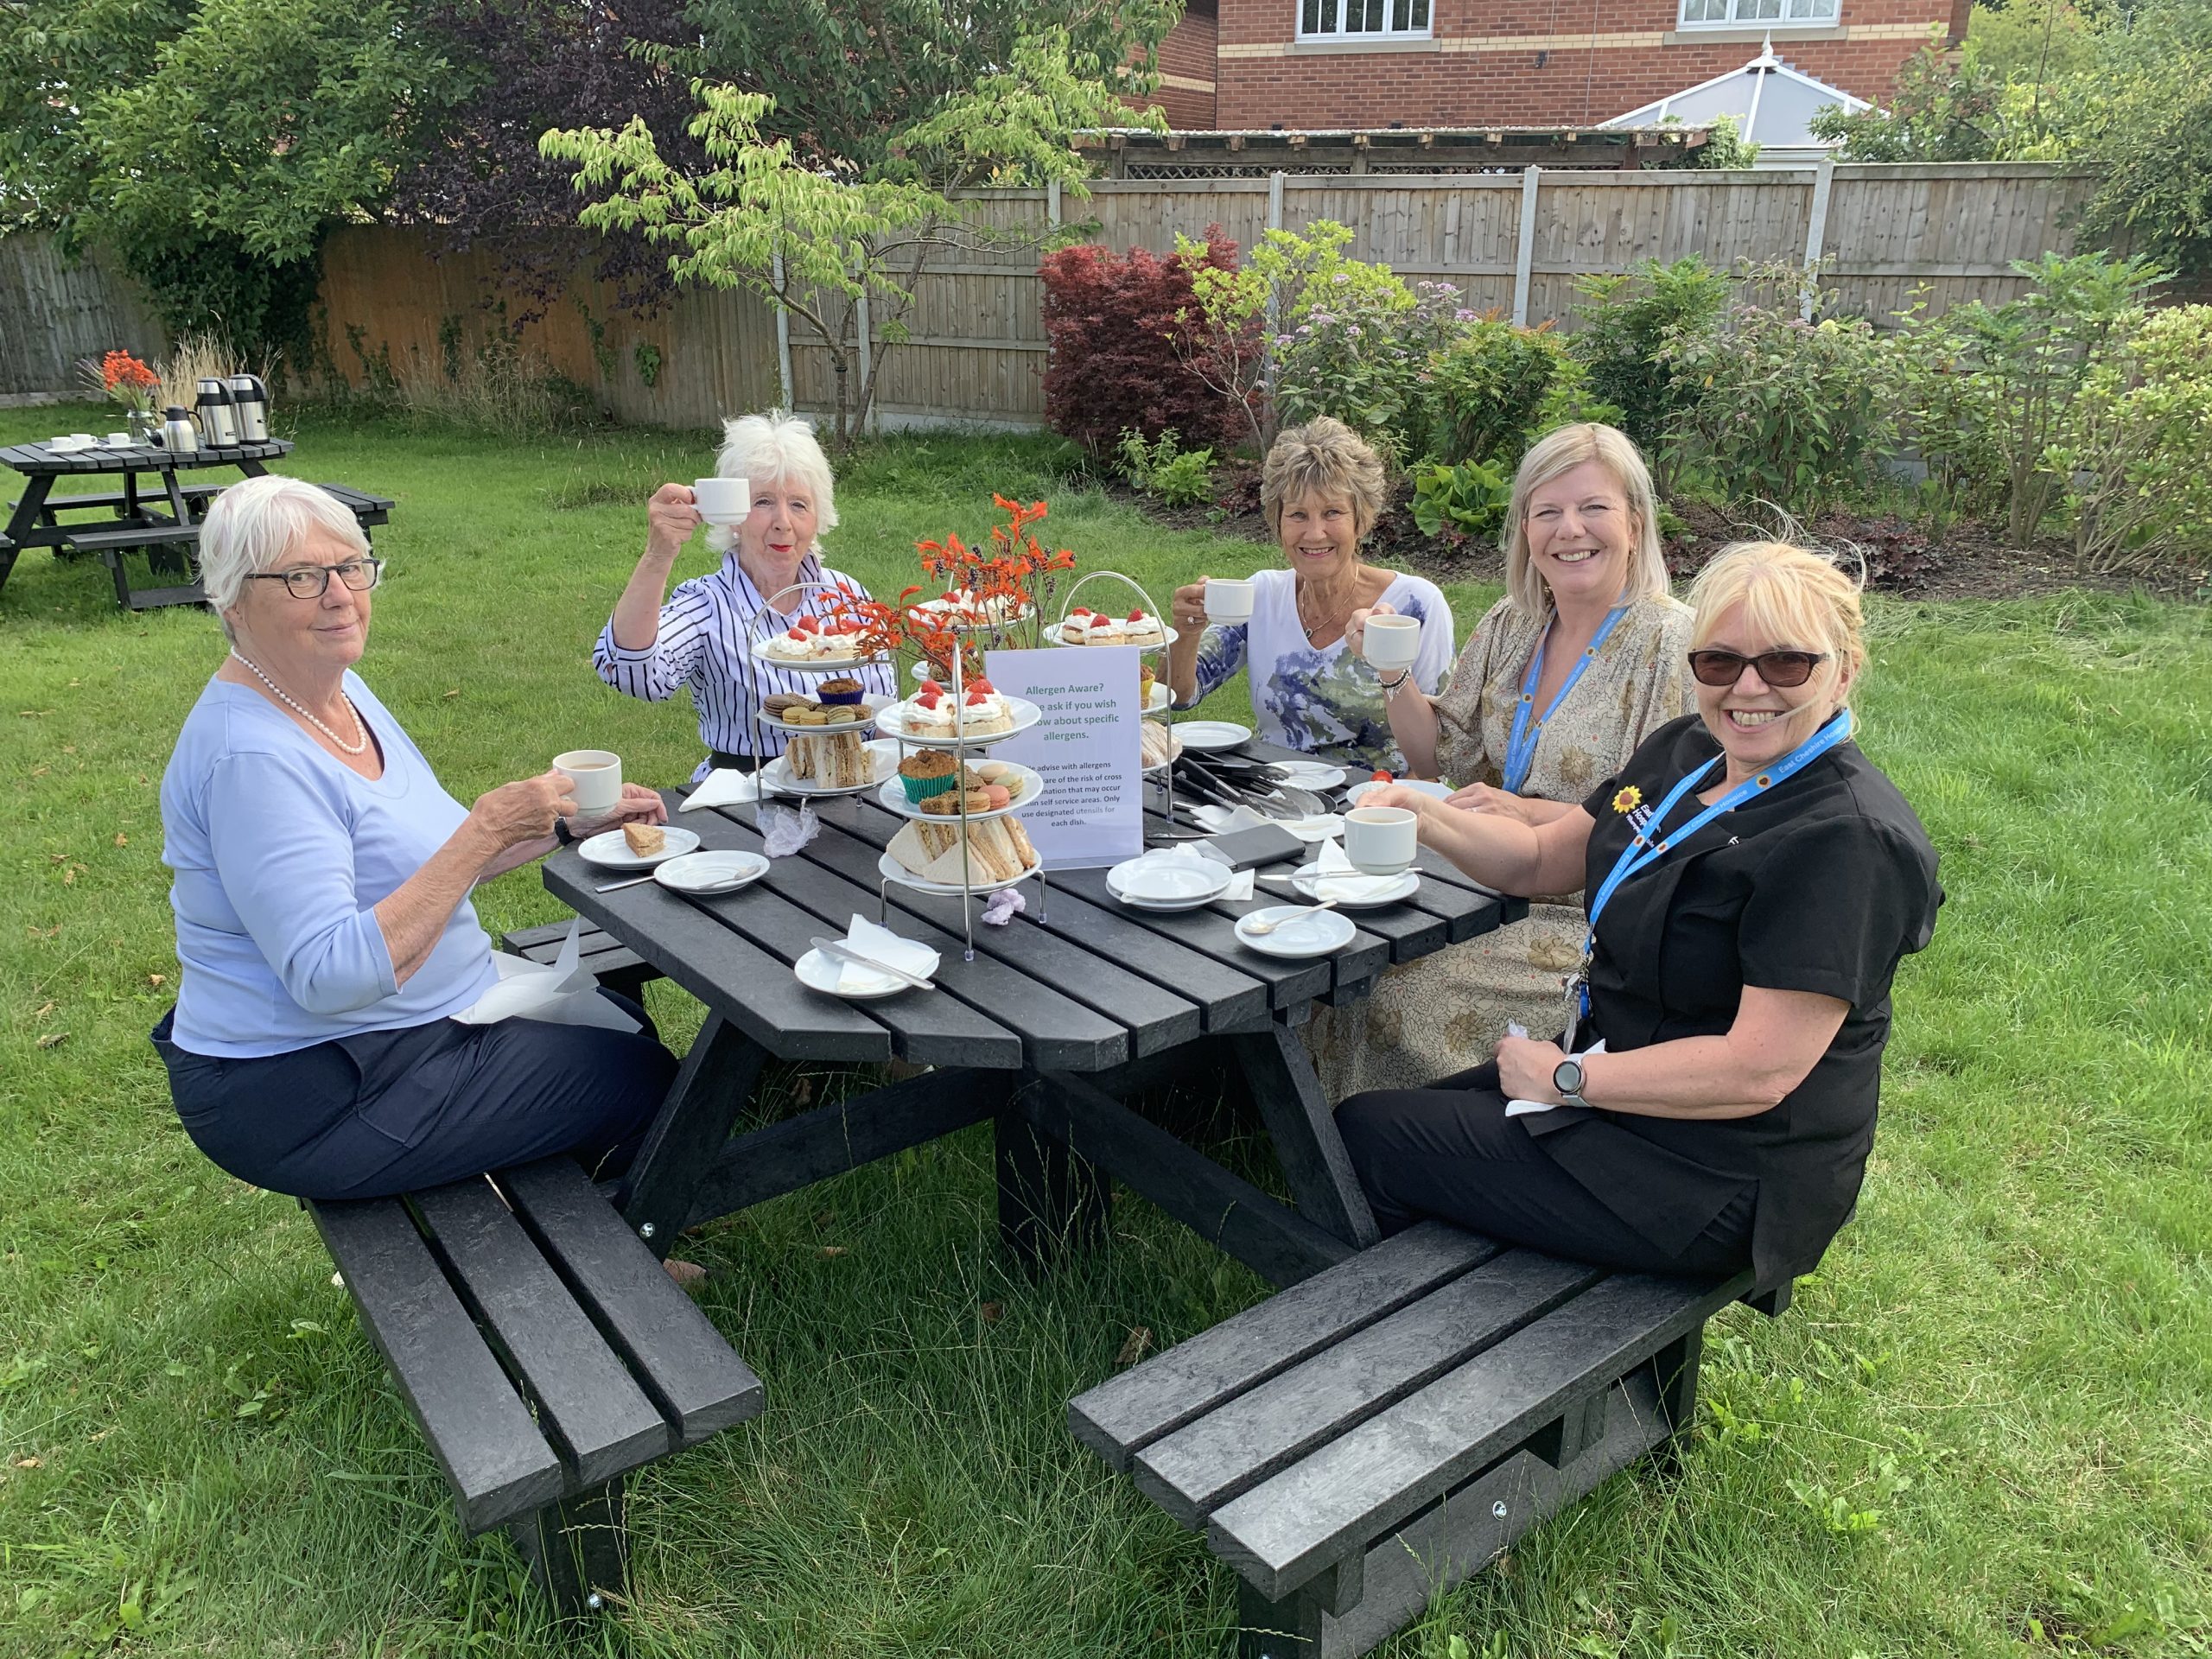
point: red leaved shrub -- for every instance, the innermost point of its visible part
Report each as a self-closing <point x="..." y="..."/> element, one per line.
<point x="1113" y="364"/>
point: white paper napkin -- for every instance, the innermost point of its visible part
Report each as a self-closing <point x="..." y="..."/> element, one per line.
<point x="885" y="947"/>
<point x="724" y="787"/>
<point x="1240" y="881"/>
<point x="1340" y="881"/>
<point x="1523" y="1108"/>
<point x="558" y="992"/>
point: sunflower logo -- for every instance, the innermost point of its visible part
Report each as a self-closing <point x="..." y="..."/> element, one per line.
<point x="1629" y="799"/>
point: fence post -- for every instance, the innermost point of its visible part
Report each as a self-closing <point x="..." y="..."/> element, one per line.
<point x="1524" y="255"/>
<point x="1816" y="234"/>
<point x="783" y="340"/>
<point x="868" y="425"/>
<point x="1274" y="320"/>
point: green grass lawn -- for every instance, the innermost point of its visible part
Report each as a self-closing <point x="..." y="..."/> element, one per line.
<point x="1983" y="1429"/>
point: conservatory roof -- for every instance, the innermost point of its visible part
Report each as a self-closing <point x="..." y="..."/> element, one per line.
<point x="1772" y="103"/>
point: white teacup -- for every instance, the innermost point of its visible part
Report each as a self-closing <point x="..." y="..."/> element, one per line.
<point x="1229" y="599"/>
<point x="595" y="778"/>
<point x="1392" y="642"/>
<point x="722" y="500"/>
<point x="1381" y="839"/>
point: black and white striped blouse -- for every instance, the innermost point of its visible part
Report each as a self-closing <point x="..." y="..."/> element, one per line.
<point x="707" y="629"/>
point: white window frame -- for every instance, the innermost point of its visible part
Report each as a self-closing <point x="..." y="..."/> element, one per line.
<point x="1761" y="13"/>
<point x="1333" y="14"/>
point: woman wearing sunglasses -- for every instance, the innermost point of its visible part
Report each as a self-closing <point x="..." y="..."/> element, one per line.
<point x="1751" y="881"/>
<point x="322" y="892"/>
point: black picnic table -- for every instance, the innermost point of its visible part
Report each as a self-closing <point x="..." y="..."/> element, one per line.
<point x="1064" y="1015"/>
<point x="159" y="516"/>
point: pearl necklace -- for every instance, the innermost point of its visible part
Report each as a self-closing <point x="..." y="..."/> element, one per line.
<point x="360" y="732"/>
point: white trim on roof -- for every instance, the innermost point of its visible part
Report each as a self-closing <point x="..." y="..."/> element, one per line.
<point x="1756" y="71"/>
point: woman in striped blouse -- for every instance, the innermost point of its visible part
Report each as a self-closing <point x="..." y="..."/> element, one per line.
<point x="702" y="635"/>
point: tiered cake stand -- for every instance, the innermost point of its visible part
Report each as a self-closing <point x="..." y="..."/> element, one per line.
<point x="1162" y="701"/>
<point x="773" y="777"/>
<point x="893" y="795"/>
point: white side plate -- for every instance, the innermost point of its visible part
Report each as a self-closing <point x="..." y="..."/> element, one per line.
<point x="1358" y="792"/>
<point x="610" y="851"/>
<point x="818" y="973"/>
<point x="1302" y="932"/>
<point x="706" y="872"/>
<point x="1209" y="735"/>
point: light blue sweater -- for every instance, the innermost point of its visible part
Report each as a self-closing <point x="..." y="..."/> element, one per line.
<point x="281" y="856"/>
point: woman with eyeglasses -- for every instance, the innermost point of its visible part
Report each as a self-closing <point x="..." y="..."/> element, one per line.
<point x="1706" y="1099"/>
<point x="321" y="893"/>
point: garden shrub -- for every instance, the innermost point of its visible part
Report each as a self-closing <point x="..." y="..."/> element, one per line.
<point x="1178" y="477"/>
<point x="1985" y="392"/>
<point x="1493" y="389"/>
<point x="1790" y="412"/>
<point x="1470" y="498"/>
<point x="1630" y="323"/>
<point x="2133" y="453"/>
<point x="1115" y="364"/>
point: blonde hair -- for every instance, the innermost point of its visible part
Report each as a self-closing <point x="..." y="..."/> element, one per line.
<point x="1800" y="599"/>
<point x="1554" y="456"/>
<point x="1324" y="457"/>
<point x="255" y="524"/>
<point x="778" y="448"/>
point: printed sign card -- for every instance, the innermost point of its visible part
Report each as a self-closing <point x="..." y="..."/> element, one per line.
<point x="1091" y="813"/>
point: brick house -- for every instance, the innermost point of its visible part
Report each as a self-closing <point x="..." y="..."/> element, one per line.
<point x="1256" y="64"/>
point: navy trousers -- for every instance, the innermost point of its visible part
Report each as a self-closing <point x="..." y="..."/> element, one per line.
<point x="1450" y="1151"/>
<point x="394" y="1111"/>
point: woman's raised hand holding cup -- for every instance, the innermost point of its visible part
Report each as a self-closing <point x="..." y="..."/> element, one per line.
<point x="670" y="517"/>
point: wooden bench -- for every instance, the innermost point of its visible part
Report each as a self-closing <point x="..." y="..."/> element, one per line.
<point x="1381" y="1430"/>
<point x="612" y="964"/>
<point x="544" y="1353"/>
<point x="170" y="545"/>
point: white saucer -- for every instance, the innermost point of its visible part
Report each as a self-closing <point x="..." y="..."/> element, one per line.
<point x="1303" y="932"/>
<point x="609" y="850"/>
<point x="1168" y="884"/>
<point x="1210" y="734"/>
<point x="1358" y="793"/>
<point x="817" y="973"/>
<point x="1307" y="880"/>
<point x="1311" y="774"/>
<point x="706" y="872"/>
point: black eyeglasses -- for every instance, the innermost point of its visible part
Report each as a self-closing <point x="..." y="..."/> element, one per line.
<point x="309" y="581"/>
<point x="1779" y="668"/>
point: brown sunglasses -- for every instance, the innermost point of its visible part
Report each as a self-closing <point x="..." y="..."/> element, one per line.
<point x="1785" y="669"/>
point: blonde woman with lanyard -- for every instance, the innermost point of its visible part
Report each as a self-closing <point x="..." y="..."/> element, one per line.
<point x="1583" y="659"/>
<point x="1754" y="882"/>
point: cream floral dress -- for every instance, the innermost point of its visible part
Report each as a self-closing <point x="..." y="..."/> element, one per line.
<point x="1445" y="1013"/>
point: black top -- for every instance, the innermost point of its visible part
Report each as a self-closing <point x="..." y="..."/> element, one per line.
<point x="1821" y="884"/>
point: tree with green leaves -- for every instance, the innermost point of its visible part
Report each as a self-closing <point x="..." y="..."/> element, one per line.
<point x="211" y="146"/>
<point x="816" y="235"/>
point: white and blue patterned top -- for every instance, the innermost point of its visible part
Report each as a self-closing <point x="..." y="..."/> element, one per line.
<point x="706" y="628"/>
<point x="1325" y="701"/>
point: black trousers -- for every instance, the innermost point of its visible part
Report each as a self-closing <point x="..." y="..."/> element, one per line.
<point x="722" y="758"/>
<point x="1450" y="1151"/>
<point x="393" y="1111"/>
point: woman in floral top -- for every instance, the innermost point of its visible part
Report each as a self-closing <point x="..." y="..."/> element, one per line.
<point x="1322" y="492"/>
<point x="1589" y="641"/>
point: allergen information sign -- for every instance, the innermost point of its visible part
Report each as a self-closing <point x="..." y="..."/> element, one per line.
<point x="1092" y="812"/>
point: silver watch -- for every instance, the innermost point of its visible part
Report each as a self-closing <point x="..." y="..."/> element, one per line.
<point x="1567" y="1078"/>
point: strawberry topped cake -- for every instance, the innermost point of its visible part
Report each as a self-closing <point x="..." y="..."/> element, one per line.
<point x="934" y="712"/>
<point x="1088" y="628"/>
<point x="813" y="639"/>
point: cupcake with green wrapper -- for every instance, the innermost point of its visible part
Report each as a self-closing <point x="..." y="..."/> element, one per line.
<point x="927" y="772"/>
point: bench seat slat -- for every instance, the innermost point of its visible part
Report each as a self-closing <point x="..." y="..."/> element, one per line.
<point x="695" y="1378"/>
<point x="1285" y="1530"/>
<point x="1124" y="1414"/>
<point x="497" y="1463"/>
<point x="603" y="1421"/>
<point x="1243" y="1441"/>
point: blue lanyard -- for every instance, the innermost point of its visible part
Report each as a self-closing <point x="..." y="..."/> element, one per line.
<point x="1521" y="745"/>
<point x="1646" y="848"/>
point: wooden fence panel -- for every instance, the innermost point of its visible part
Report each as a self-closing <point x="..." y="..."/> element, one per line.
<point x="54" y="313"/>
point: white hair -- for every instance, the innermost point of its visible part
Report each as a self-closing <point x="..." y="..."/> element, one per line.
<point x="256" y="524"/>
<point x="778" y="448"/>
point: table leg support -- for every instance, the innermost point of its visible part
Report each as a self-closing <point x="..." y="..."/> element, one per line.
<point x="702" y="1106"/>
<point x="1051" y="1200"/>
<point x="1303" y="1129"/>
